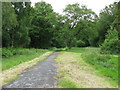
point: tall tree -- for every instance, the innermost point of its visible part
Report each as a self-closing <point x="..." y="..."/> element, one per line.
<point x="43" y="25"/>
<point x="9" y="21"/>
<point x="76" y="12"/>
<point x="112" y="41"/>
<point x="106" y="19"/>
<point x="78" y="19"/>
<point x="23" y="11"/>
<point x="59" y="39"/>
<point x="116" y="23"/>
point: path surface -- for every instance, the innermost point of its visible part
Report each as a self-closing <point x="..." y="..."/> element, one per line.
<point x="40" y="75"/>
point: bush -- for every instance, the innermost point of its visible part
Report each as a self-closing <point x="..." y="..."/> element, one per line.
<point x="6" y="52"/>
<point x="80" y="43"/>
<point x="20" y="51"/>
<point x="111" y="43"/>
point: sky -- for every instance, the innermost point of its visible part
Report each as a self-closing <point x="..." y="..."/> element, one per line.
<point x="59" y="5"/>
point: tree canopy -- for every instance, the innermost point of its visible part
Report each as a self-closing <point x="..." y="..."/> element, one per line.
<point x="41" y="27"/>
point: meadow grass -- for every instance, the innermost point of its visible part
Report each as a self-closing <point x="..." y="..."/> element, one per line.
<point x="21" y="56"/>
<point x="105" y="64"/>
<point x="74" y="72"/>
<point x="77" y="64"/>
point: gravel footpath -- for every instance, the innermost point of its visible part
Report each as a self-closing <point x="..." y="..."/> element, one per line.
<point x="40" y="75"/>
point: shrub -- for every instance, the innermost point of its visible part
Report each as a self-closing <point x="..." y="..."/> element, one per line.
<point x="21" y="51"/>
<point x="111" y="43"/>
<point x="6" y="52"/>
<point x="80" y="43"/>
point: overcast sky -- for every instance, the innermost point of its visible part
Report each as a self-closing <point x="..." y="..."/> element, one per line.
<point x="59" y="5"/>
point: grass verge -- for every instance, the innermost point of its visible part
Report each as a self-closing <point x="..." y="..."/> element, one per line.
<point x="16" y="56"/>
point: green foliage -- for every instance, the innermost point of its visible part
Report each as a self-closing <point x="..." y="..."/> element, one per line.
<point x="6" y="52"/>
<point x="78" y="20"/>
<point x="116" y="23"/>
<point x="21" y="31"/>
<point x="107" y="17"/>
<point x="42" y="25"/>
<point x="111" y="43"/>
<point x="9" y="20"/>
<point x="80" y="43"/>
<point x="76" y="12"/>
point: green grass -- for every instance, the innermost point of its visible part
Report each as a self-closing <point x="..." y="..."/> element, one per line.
<point x="106" y="65"/>
<point x="76" y="50"/>
<point x="67" y="84"/>
<point x="22" y="55"/>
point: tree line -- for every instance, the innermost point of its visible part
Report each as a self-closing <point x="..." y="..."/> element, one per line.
<point x="40" y="27"/>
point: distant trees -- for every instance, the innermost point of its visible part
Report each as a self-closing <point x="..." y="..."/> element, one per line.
<point x="41" y="27"/>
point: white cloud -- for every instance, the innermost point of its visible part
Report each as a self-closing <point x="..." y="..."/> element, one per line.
<point x="59" y="5"/>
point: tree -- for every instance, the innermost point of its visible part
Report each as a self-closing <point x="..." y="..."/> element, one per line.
<point x="9" y="21"/>
<point x="59" y="39"/>
<point x="107" y="17"/>
<point x="74" y="13"/>
<point x="111" y="43"/>
<point x="23" y="11"/>
<point x="79" y="19"/>
<point x="42" y="25"/>
<point x="116" y="23"/>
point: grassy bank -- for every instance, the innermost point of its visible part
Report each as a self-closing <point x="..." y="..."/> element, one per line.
<point x="16" y="56"/>
<point x="87" y="68"/>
